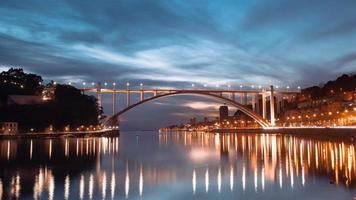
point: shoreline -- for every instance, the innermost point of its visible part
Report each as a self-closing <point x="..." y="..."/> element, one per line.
<point x="99" y="133"/>
<point x="314" y="131"/>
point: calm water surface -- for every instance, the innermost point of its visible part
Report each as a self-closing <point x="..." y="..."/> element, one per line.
<point x="149" y="165"/>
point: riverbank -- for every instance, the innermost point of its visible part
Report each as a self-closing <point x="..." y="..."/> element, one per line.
<point x="98" y="133"/>
<point x="316" y="131"/>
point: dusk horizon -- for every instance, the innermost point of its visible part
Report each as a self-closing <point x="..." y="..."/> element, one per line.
<point x="156" y="99"/>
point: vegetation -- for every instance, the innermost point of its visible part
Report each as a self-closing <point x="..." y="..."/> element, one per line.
<point x="69" y="107"/>
<point x="17" y="82"/>
<point x="344" y="83"/>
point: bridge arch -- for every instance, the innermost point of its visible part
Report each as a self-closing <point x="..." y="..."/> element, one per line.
<point x="114" y="119"/>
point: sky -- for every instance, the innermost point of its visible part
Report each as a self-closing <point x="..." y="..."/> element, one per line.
<point x="179" y="43"/>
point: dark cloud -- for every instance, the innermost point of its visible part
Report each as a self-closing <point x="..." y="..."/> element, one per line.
<point x="175" y="43"/>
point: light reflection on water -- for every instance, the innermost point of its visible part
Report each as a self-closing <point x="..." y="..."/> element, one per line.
<point x="178" y="165"/>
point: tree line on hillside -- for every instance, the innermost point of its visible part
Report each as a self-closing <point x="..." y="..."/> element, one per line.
<point x="344" y="83"/>
<point x="69" y="107"/>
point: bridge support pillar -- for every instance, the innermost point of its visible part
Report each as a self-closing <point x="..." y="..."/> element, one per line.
<point x="245" y="98"/>
<point x="257" y="102"/>
<point x="278" y="104"/>
<point x="271" y="101"/>
<point x="264" y="106"/>
<point x="233" y="96"/>
<point x="142" y="96"/>
<point x="155" y="93"/>
<point x="99" y="94"/>
<point x="114" y="102"/>
<point x="128" y="98"/>
<point x="253" y="102"/>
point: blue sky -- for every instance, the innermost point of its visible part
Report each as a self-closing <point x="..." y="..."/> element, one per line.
<point x="177" y="43"/>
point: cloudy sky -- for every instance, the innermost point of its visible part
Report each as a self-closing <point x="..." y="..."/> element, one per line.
<point x="177" y="43"/>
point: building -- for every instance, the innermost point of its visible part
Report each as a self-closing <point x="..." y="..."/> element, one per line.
<point x="9" y="127"/>
<point x="48" y="92"/>
<point x="224" y="112"/>
<point x="193" y="121"/>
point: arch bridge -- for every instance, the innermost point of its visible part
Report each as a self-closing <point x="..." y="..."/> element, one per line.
<point x="257" y="98"/>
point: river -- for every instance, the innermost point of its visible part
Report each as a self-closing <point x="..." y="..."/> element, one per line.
<point x="178" y="165"/>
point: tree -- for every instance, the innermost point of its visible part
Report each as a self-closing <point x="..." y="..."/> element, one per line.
<point x="16" y="81"/>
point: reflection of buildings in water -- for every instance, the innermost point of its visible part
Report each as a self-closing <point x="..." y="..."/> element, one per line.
<point x="54" y="149"/>
<point x="277" y="158"/>
<point x="44" y="181"/>
<point x="45" y="155"/>
<point x="258" y="160"/>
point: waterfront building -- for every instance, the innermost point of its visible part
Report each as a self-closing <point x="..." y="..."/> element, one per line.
<point x="9" y="127"/>
<point x="48" y="92"/>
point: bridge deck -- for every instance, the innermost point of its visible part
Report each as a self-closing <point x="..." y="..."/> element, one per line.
<point x="105" y="90"/>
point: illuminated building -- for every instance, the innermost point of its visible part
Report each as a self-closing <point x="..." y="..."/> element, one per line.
<point x="9" y="127"/>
